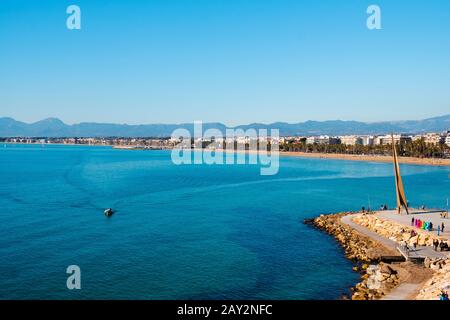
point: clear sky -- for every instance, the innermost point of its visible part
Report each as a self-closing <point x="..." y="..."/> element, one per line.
<point x="232" y="61"/>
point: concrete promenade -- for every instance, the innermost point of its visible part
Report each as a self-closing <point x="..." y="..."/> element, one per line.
<point x="409" y="289"/>
<point x="388" y="243"/>
<point x="404" y="219"/>
<point x="421" y="252"/>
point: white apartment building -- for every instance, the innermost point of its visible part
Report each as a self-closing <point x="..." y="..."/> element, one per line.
<point x="322" y="140"/>
<point x="312" y="140"/>
<point x="387" y="139"/>
<point x="351" y="140"/>
<point x="433" y="138"/>
<point x="367" y="140"/>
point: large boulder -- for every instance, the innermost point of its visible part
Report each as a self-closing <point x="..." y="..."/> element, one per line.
<point x="386" y="269"/>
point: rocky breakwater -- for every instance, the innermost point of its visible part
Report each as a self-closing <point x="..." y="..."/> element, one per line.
<point x="376" y="282"/>
<point x="357" y="247"/>
<point x="395" y="231"/>
<point x="377" y="278"/>
<point x="435" y="273"/>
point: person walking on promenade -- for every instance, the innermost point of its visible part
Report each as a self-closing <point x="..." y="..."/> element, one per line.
<point x="406" y="247"/>
<point x="412" y="221"/>
<point x="442" y="227"/>
<point x="439" y="229"/>
<point x="435" y="244"/>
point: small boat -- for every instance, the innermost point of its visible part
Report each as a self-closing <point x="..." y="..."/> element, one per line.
<point x="109" y="212"/>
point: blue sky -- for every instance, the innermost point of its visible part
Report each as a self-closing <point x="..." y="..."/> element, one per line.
<point x="233" y="61"/>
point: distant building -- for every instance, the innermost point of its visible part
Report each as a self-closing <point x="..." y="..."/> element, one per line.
<point x="367" y="140"/>
<point x="447" y="140"/>
<point x="434" y="138"/>
<point x="417" y="137"/>
<point x="70" y="141"/>
<point x="323" y="140"/>
<point x="387" y="139"/>
<point x="351" y="140"/>
<point x="312" y="140"/>
<point x="292" y="139"/>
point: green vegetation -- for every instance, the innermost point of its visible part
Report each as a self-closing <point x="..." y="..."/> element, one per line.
<point x="417" y="148"/>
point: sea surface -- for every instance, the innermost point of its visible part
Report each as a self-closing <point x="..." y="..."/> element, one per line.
<point x="183" y="232"/>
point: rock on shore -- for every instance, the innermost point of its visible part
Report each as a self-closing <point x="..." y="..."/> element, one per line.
<point x="356" y="246"/>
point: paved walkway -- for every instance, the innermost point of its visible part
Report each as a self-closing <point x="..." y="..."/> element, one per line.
<point x="423" y="252"/>
<point x="404" y="219"/>
<point x="388" y="243"/>
<point x="420" y="252"/>
<point x="405" y="291"/>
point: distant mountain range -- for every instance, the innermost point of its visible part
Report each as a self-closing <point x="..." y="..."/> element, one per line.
<point x="53" y="127"/>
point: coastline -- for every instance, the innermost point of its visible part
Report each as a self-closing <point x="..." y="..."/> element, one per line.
<point x="370" y="158"/>
<point x="366" y="254"/>
<point x="372" y="244"/>
<point x="333" y="156"/>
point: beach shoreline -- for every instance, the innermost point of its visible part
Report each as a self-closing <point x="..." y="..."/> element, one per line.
<point x="441" y="162"/>
<point x="334" y="156"/>
<point x="370" y="158"/>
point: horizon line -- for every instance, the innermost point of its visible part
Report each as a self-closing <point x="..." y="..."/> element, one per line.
<point x="217" y="122"/>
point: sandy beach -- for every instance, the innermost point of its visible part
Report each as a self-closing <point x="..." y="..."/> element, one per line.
<point x="354" y="157"/>
<point x="336" y="156"/>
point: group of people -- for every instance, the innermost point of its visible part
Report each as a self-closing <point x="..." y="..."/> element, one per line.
<point x="440" y="244"/>
<point x="443" y="295"/>
<point x="428" y="226"/>
<point x="383" y="207"/>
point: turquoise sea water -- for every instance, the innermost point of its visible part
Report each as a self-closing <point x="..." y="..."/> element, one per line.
<point x="182" y="232"/>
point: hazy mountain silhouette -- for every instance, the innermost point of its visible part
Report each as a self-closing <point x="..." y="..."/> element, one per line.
<point x="53" y="127"/>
